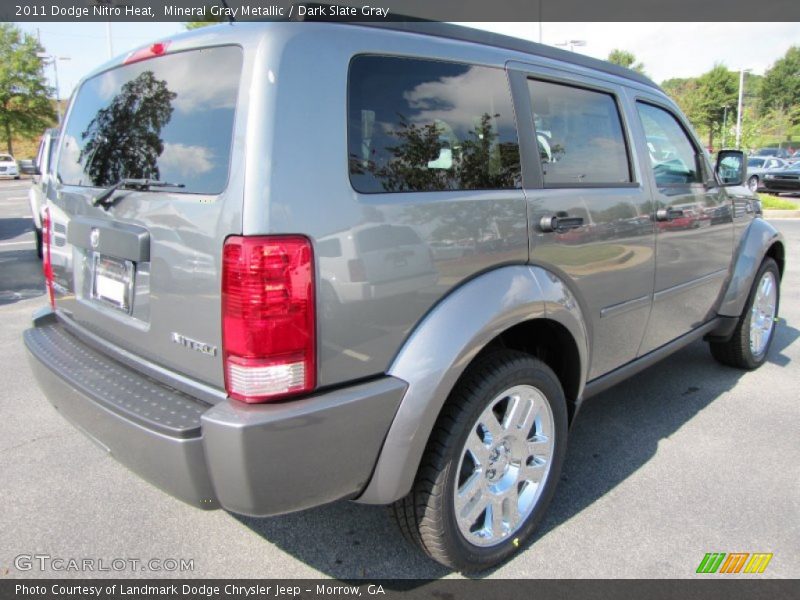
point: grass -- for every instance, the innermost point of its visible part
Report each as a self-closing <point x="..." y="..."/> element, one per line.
<point x="777" y="203"/>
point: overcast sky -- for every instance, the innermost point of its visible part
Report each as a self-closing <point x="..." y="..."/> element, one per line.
<point x="666" y="49"/>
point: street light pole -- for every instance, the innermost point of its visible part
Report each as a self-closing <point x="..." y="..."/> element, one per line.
<point x="739" y="108"/>
<point x="47" y="58"/>
<point x="724" y="124"/>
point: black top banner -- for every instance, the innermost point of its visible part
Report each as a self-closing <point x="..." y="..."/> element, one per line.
<point x="401" y="10"/>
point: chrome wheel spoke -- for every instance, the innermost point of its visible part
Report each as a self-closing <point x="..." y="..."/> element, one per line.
<point x="762" y="314"/>
<point x="478" y="448"/>
<point x="503" y="464"/>
<point x="471" y="499"/>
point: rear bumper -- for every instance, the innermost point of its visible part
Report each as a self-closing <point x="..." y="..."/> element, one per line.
<point x="257" y="460"/>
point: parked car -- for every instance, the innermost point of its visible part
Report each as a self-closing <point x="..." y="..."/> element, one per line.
<point x="776" y="152"/>
<point x="42" y="172"/>
<point x="246" y="392"/>
<point x="757" y="166"/>
<point x="786" y="180"/>
<point x="8" y="167"/>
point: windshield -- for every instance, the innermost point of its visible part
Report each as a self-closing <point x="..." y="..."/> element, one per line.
<point x="6" y="158"/>
<point x="168" y="118"/>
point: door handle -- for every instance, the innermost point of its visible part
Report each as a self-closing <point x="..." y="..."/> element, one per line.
<point x="560" y="223"/>
<point x="668" y="214"/>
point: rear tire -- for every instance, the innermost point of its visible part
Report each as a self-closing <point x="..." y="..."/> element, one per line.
<point x="496" y="453"/>
<point x="752" y="183"/>
<point x="751" y="340"/>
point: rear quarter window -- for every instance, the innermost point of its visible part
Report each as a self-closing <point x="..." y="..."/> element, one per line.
<point x="168" y="118"/>
<point x="423" y="125"/>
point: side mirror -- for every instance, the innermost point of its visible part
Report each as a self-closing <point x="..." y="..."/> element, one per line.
<point x="29" y="167"/>
<point x="731" y="167"/>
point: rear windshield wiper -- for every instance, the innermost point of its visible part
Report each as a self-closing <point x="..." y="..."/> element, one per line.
<point x="104" y="198"/>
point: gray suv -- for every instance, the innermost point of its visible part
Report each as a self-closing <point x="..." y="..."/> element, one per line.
<point x="321" y="261"/>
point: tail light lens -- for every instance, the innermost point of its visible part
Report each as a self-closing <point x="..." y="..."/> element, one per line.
<point x="47" y="263"/>
<point x="268" y="320"/>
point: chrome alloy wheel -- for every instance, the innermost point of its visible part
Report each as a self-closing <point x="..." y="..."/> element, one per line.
<point x="762" y="314"/>
<point x="504" y="465"/>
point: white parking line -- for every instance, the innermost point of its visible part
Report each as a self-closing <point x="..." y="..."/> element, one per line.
<point x="28" y="243"/>
<point x="15" y="198"/>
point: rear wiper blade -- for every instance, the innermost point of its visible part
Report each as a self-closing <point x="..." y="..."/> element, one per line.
<point x="104" y="198"/>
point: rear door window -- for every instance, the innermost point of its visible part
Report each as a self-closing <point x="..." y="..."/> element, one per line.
<point x="424" y="125"/>
<point x="168" y="118"/>
<point x="579" y="134"/>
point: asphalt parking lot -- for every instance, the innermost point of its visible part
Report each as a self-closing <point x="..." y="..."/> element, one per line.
<point x="688" y="457"/>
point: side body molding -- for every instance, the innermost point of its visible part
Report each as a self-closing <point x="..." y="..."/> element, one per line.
<point x="753" y="245"/>
<point x="444" y="343"/>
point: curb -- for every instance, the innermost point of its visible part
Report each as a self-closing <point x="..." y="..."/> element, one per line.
<point x="781" y="214"/>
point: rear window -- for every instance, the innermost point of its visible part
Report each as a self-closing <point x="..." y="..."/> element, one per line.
<point x="423" y="125"/>
<point x="168" y="118"/>
<point x="6" y="158"/>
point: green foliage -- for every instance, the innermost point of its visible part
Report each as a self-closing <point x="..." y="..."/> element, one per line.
<point x="777" y="203"/>
<point x="781" y="85"/>
<point x="626" y="59"/>
<point x="25" y="106"/>
<point x="715" y="90"/>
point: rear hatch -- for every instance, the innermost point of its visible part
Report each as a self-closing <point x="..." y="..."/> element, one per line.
<point x="143" y="272"/>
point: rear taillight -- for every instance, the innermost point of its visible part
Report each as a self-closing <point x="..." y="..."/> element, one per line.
<point x="268" y="321"/>
<point x="47" y="263"/>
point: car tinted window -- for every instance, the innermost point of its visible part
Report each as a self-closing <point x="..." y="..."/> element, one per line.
<point x="579" y="134"/>
<point x="755" y="163"/>
<point x="675" y="161"/>
<point x="6" y="158"/>
<point x="422" y="125"/>
<point x="168" y="118"/>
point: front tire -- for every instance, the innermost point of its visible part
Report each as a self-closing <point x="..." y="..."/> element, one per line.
<point x="752" y="183"/>
<point x="749" y="345"/>
<point x="491" y="465"/>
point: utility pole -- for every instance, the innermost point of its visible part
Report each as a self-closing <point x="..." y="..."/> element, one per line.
<point x="739" y="108"/>
<point x="108" y="39"/>
<point x="47" y="59"/>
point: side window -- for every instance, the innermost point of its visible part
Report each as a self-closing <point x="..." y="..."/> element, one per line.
<point x="672" y="155"/>
<point x="424" y="125"/>
<point x="579" y="134"/>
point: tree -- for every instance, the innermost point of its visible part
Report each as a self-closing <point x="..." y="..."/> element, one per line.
<point x="25" y="107"/>
<point x="715" y="90"/>
<point x="124" y="139"/>
<point x="626" y="59"/>
<point x="780" y="88"/>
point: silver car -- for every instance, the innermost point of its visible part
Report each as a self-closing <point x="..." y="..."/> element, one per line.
<point x="758" y="166"/>
<point x="42" y="173"/>
<point x="341" y="267"/>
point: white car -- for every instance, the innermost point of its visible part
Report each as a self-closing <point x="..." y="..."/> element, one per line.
<point x="37" y="194"/>
<point x="8" y="166"/>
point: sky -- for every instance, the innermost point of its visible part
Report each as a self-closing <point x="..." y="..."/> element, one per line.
<point x="666" y="49"/>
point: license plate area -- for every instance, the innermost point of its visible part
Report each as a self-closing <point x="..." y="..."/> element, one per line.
<point x="112" y="282"/>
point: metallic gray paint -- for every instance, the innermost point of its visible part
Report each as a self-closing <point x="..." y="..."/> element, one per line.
<point x="442" y="346"/>
<point x="753" y="245"/>
<point x="269" y="459"/>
